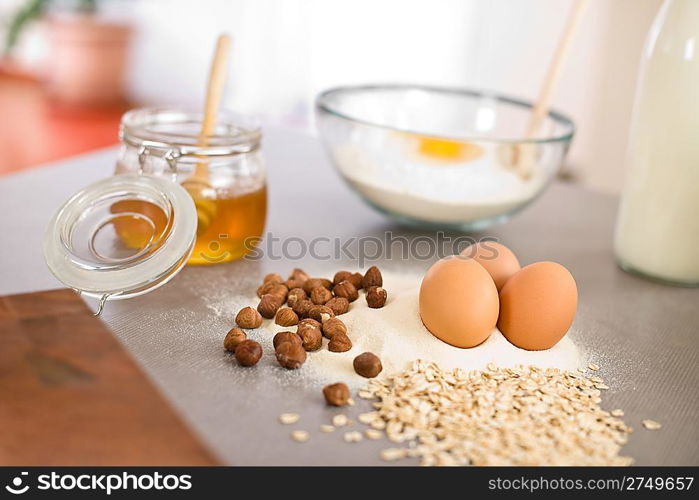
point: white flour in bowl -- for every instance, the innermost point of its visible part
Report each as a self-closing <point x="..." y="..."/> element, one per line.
<point x="397" y="336"/>
<point x="457" y="193"/>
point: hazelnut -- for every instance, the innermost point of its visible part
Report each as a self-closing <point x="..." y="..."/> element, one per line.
<point x="265" y="288"/>
<point x="333" y="326"/>
<point x="376" y="297"/>
<point x="309" y="323"/>
<point x="320" y="295"/>
<point x="286" y="317"/>
<point x="347" y="290"/>
<point x="247" y="317"/>
<point x="291" y="284"/>
<point x="248" y="352"/>
<point x="302" y="307"/>
<point x="273" y="278"/>
<point x="338" y="305"/>
<point x="336" y="394"/>
<point x="290" y="355"/>
<point x="341" y="276"/>
<point x="312" y="283"/>
<point x="356" y="279"/>
<point x="282" y="337"/>
<point x="311" y="338"/>
<point x="340" y="343"/>
<point x="295" y="294"/>
<point x="280" y="290"/>
<point x="367" y="365"/>
<point x="372" y="278"/>
<point x="268" y="305"/>
<point x="320" y="313"/>
<point x="299" y="275"/>
<point x="233" y="338"/>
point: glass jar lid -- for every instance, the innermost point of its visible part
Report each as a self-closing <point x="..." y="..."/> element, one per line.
<point x="122" y="236"/>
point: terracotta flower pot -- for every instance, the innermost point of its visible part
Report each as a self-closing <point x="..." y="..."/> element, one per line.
<point x="87" y="60"/>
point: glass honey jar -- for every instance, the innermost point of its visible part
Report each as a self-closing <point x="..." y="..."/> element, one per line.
<point x="224" y="174"/>
<point x="175" y="198"/>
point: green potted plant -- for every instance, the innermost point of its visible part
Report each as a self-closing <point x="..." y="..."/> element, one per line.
<point x="87" y="54"/>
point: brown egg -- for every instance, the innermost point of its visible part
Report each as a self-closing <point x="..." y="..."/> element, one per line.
<point x="497" y="259"/>
<point x="537" y="306"/>
<point x="459" y="302"/>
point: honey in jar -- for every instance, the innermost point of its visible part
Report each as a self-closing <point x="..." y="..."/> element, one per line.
<point x="229" y="231"/>
<point x="232" y="205"/>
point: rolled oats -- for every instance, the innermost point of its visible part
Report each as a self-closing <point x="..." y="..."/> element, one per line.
<point x="499" y="416"/>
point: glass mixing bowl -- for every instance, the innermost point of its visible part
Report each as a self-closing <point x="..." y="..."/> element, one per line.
<point x="438" y="157"/>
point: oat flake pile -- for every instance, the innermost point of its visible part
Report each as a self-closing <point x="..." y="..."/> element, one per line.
<point x="499" y="416"/>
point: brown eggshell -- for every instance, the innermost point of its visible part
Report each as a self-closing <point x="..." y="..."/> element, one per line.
<point x="459" y="302"/>
<point x="537" y="306"/>
<point x="497" y="259"/>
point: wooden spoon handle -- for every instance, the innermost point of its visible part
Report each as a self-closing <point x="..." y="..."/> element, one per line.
<point x="553" y="73"/>
<point x="214" y="92"/>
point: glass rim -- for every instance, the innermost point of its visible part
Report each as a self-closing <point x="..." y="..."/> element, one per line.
<point x="138" y="129"/>
<point x="322" y="102"/>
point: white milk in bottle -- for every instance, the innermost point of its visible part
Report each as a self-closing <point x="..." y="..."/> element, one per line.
<point x="657" y="233"/>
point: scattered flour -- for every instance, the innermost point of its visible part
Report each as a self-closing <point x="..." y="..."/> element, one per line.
<point x="396" y="334"/>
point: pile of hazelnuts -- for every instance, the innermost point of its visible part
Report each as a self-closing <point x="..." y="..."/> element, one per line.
<point x="313" y="306"/>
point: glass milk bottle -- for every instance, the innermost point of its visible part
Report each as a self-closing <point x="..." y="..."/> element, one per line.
<point x="657" y="233"/>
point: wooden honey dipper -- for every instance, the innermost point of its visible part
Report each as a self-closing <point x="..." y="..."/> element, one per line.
<point x="199" y="184"/>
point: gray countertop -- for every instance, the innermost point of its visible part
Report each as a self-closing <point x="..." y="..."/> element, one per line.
<point x="642" y="334"/>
